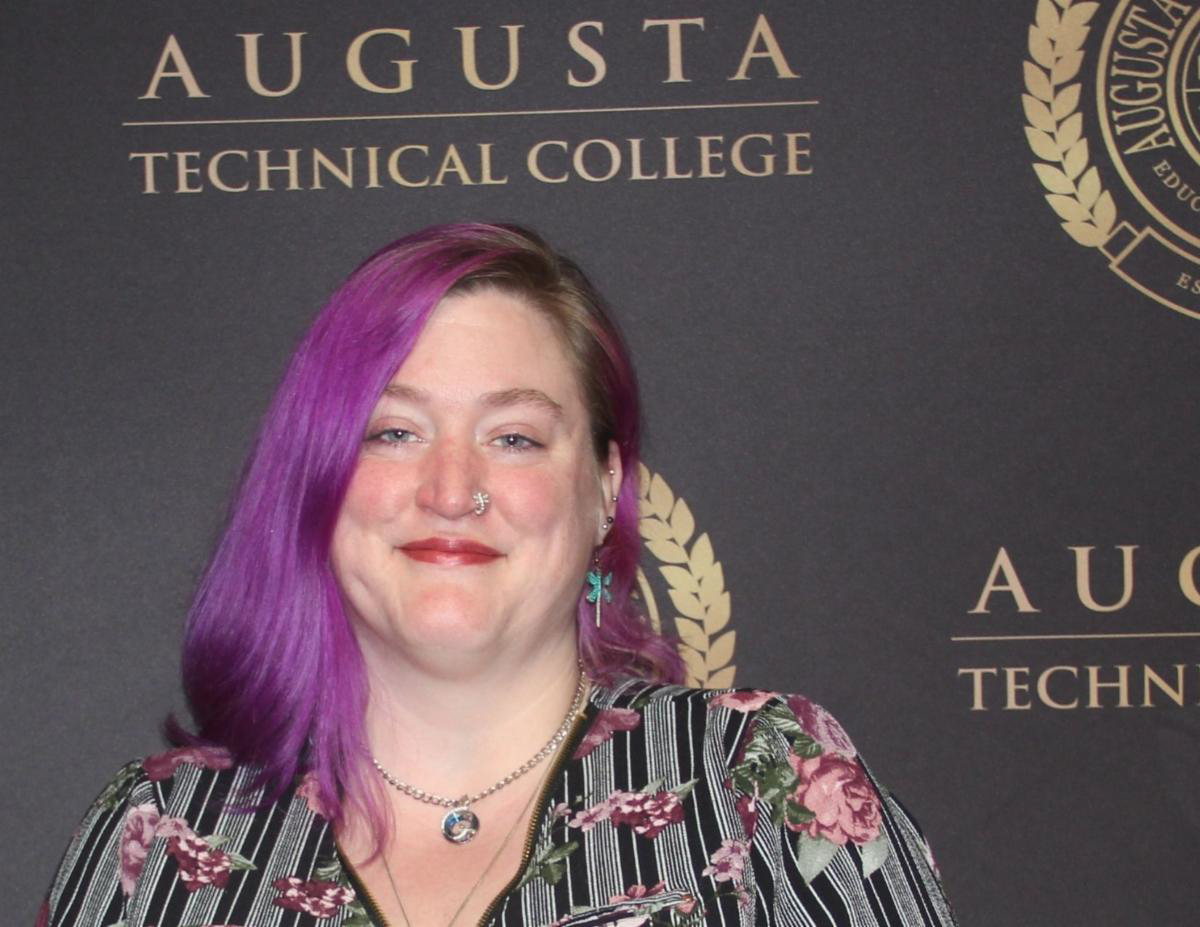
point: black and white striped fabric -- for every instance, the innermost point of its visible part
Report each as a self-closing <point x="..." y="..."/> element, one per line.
<point x="640" y="825"/>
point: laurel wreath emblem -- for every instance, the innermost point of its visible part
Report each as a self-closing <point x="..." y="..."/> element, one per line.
<point x="1055" y="125"/>
<point x="695" y="581"/>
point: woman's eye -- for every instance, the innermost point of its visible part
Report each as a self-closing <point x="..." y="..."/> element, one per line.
<point x="516" y="442"/>
<point x="391" y="436"/>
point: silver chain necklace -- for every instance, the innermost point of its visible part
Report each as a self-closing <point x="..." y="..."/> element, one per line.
<point x="460" y="824"/>
<point x="486" y="869"/>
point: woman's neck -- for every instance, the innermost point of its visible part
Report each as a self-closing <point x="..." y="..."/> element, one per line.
<point x="455" y="730"/>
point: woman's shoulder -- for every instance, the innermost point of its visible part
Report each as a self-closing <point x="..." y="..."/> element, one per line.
<point x="142" y="800"/>
<point x="159" y="767"/>
<point x="200" y="808"/>
<point x="805" y="801"/>
<point x="151" y="779"/>
<point x="790" y="714"/>
<point x="140" y="796"/>
<point x="162" y="767"/>
<point x="200" y="781"/>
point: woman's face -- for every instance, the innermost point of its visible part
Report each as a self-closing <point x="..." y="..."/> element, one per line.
<point x="487" y="401"/>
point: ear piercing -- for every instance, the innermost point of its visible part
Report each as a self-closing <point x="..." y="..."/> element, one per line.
<point x="482" y="500"/>
<point x="608" y="520"/>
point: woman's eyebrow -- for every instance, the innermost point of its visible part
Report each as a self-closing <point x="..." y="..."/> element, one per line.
<point x="518" y="395"/>
<point x="411" y="393"/>
<point x="522" y="396"/>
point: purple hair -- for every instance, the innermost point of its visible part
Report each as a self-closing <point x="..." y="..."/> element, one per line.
<point x="271" y="667"/>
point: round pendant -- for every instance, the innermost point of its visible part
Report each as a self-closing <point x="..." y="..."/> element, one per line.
<point x="460" y="825"/>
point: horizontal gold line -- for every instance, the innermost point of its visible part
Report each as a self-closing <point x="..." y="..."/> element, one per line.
<point x="1075" y="637"/>
<point x="472" y="115"/>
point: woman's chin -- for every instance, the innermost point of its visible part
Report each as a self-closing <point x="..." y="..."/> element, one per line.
<point x="449" y="622"/>
<point x="451" y="632"/>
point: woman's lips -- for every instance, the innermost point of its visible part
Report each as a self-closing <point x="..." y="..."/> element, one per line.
<point x="449" y="551"/>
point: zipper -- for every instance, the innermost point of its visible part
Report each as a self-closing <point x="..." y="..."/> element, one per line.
<point x="374" y="912"/>
<point x="565" y="752"/>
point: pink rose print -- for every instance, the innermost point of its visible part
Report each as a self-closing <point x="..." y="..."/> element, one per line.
<point x="588" y="818"/>
<point x="163" y="765"/>
<point x="838" y="792"/>
<point x="310" y="790"/>
<point x="752" y="700"/>
<point x="821" y="726"/>
<point x="728" y="862"/>
<point x="199" y="863"/>
<point x="634" y="892"/>
<point x="136" y="834"/>
<point x="173" y="827"/>
<point x="685" y="905"/>
<point x="648" y="815"/>
<point x="607" y="723"/>
<point x="320" y="899"/>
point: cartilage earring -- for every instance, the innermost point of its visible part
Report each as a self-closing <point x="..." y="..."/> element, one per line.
<point x="482" y="500"/>
<point x="600" y="583"/>
<point x="613" y="473"/>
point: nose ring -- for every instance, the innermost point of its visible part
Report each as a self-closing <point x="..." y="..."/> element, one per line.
<point x="482" y="500"/>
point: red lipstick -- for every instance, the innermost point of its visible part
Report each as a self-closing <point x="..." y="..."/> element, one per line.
<point x="449" y="551"/>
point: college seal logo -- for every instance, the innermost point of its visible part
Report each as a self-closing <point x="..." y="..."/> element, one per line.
<point x="695" y="584"/>
<point x="1126" y="74"/>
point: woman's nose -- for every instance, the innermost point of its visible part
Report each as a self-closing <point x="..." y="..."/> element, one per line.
<point x="451" y="476"/>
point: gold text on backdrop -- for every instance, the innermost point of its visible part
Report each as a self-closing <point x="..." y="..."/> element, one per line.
<point x="371" y="67"/>
<point x="181" y="91"/>
<point x="1003" y="578"/>
<point x="1011" y="617"/>
<point x="415" y="165"/>
<point x="1067" y="687"/>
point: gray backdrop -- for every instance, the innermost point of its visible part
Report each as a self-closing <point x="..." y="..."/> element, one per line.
<point x="865" y="371"/>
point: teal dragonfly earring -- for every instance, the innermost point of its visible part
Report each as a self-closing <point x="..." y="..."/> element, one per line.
<point x="600" y="583"/>
<point x="597" y="578"/>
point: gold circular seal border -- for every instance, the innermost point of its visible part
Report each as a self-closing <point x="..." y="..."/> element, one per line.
<point x="1133" y="186"/>
<point x="695" y="582"/>
<point x="1054" y="131"/>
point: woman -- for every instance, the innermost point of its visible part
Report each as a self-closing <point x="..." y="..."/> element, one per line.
<point x="421" y="690"/>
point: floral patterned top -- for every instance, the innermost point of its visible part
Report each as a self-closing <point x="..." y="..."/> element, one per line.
<point x="667" y="806"/>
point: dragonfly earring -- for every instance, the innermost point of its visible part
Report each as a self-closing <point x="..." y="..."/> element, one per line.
<point x="600" y="583"/>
